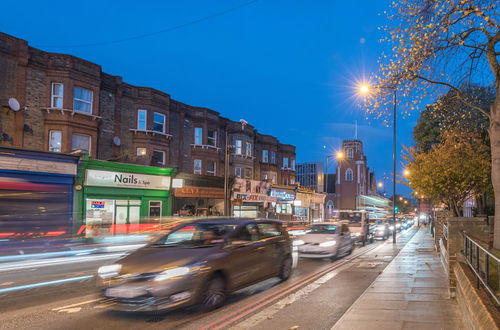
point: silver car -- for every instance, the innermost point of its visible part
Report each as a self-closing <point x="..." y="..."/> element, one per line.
<point x="326" y="240"/>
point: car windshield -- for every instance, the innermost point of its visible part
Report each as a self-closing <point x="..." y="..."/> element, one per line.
<point x="195" y="235"/>
<point x="323" y="229"/>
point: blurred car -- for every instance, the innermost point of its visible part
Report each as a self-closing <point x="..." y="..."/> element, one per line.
<point x="198" y="262"/>
<point x="297" y="230"/>
<point x="381" y="230"/>
<point x="326" y="240"/>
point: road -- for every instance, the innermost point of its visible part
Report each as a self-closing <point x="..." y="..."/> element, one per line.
<point x="315" y="297"/>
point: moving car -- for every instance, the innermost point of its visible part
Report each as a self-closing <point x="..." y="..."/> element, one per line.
<point x="382" y="230"/>
<point x="326" y="240"/>
<point x="198" y="262"/>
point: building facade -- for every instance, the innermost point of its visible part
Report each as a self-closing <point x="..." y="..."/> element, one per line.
<point x="311" y="175"/>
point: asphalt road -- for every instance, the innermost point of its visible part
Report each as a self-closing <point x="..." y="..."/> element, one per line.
<point x="315" y="297"/>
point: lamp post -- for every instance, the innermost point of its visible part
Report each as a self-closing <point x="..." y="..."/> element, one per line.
<point x="365" y="89"/>
<point x="339" y="155"/>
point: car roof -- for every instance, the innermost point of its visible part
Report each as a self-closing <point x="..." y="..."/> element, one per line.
<point x="336" y="223"/>
<point x="229" y="220"/>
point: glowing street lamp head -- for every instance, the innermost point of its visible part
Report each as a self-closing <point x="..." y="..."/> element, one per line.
<point x="380" y="184"/>
<point x="340" y="155"/>
<point x="364" y="89"/>
<point x="406" y="172"/>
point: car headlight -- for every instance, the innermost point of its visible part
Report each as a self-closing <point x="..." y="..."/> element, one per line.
<point x="298" y="242"/>
<point x="109" y="270"/>
<point x="171" y="273"/>
<point x="329" y="243"/>
<point x="356" y="234"/>
<point x="391" y="227"/>
<point x="381" y="228"/>
<point x="398" y="225"/>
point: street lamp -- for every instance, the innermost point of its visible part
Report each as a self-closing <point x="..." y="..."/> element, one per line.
<point x="339" y="155"/>
<point x="365" y="89"/>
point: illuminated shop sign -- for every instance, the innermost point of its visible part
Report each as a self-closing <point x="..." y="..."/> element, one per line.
<point x="282" y="195"/>
<point x="126" y="180"/>
<point x="97" y="204"/>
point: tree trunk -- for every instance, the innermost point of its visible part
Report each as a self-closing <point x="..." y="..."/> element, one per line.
<point x="495" y="164"/>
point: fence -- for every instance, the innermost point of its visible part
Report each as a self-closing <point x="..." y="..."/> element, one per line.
<point x="484" y="265"/>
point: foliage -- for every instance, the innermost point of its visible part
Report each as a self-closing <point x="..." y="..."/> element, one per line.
<point x="451" y="171"/>
<point x="448" y="112"/>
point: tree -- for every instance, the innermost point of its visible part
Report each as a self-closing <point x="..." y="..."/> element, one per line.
<point x="450" y="113"/>
<point x="440" y="45"/>
<point x="452" y="171"/>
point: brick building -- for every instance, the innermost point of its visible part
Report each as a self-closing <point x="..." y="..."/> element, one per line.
<point x="70" y="104"/>
<point x="354" y="179"/>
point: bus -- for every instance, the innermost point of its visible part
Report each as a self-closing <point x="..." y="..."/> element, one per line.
<point x="360" y="224"/>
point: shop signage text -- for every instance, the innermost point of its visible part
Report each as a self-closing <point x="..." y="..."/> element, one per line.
<point x="200" y="192"/>
<point x="126" y="180"/>
<point x="282" y="195"/>
<point x="255" y="197"/>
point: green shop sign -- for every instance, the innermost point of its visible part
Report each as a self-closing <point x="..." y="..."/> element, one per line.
<point x="126" y="180"/>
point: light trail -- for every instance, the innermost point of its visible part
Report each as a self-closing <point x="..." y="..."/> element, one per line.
<point x="42" y="284"/>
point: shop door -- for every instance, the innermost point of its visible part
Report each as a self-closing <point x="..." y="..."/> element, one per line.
<point x="121" y="215"/>
<point x="128" y="212"/>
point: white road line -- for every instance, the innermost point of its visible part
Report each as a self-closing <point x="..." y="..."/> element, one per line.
<point x="77" y="304"/>
<point x="49" y="283"/>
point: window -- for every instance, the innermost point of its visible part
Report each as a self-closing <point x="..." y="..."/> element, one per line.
<point x="198" y="135"/>
<point x="237" y="172"/>
<point x="212" y="138"/>
<point x="293" y="164"/>
<point x="238" y="147"/>
<point x="248" y="173"/>
<point x="55" y="140"/>
<point x="82" y="100"/>
<point x="141" y="151"/>
<point x="142" y="118"/>
<point x="265" y="156"/>
<point x="268" y="230"/>
<point x="158" y="157"/>
<point x="245" y="234"/>
<point x="80" y="142"/>
<point x="155" y="208"/>
<point x="273" y="157"/>
<point x="348" y="175"/>
<point x="273" y="180"/>
<point x="197" y="166"/>
<point x="158" y="122"/>
<point x="350" y="153"/>
<point x="57" y="95"/>
<point x="211" y="166"/>
<point x="248" y="149"/>
<point x="285" y="162"/>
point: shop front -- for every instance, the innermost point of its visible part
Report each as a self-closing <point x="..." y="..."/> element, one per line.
<point x="302" y="205"/>
<point x="250" y="199"/>
<point x="120" y="198"/>
<point x="199" y="195"/>
<point x="36" y="193"/>
<point x="285" y="197"/>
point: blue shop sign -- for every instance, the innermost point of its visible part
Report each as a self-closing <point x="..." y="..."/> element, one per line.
<point x="282" y="195"/>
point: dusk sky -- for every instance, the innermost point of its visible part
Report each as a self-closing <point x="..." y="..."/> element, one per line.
<point x="288" y="67"/>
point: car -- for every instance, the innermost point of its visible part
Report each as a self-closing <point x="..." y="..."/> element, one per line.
<point x="381" y="230"/>
<point x="326" y="240"/>
<point x="197" y="262"/>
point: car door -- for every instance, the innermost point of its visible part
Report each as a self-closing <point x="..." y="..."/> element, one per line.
<point x="273" y="249"/>
<point x="345" y="238"/>
<point x="245" y="262"/>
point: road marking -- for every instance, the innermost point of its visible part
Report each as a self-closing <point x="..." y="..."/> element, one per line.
<point x="77" y="304"/>
<point x="42" y="284"/>
<point x="70" y="310"/>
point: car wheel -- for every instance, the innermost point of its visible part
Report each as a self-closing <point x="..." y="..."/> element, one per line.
<point x="215" y="294"/>
<point x="335" y="257"/>
<point x="286" y="268"/>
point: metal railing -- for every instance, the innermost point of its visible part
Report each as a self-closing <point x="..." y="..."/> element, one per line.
<point x="484" y="265"/>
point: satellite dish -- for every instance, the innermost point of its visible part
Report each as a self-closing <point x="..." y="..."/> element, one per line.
<point x="117" y="141"/>
<point x="14" y="104"/>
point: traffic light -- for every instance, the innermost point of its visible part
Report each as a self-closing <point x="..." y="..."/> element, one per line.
<point x="396" y="209"/>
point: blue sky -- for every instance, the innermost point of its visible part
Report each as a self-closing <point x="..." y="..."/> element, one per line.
<point x="288" y="67"/>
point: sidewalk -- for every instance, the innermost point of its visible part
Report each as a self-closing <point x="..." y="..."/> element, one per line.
<point x="411" y="293"/>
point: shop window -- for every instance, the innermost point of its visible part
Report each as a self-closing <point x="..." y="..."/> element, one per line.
<point x="248" y="173"/>
<point x="80" y="142"/>
<point x="237" y="172"/>
<point x="55" y="141"/>
<point x="273" y="157"/>
<point x="159" y="122"/>
<point x="349" y="175"/>
<point x="158" y="157"/>
<point x="211" y="167"/>
<point x="285" y="162"/>
<point x="142" y="117"/>
<point x="155" y="208"/>
<point x="248" y="149"/>
<point x="82" y="100"/>
<point x="198" y="135"/>
<point x="212" y="138"/>
<point x="197" y="166"/>
<point x="265" y="156"/>
<point x="141" y="151"/>
<point x="57" y="95"/>
<point x="238" y="147"/>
